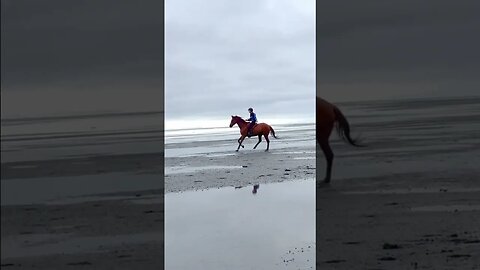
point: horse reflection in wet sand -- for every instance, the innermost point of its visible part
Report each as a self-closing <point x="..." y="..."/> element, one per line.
<point x="327" y="115"/>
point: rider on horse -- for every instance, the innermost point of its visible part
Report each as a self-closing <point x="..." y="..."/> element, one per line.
<point x="253" y="121"/>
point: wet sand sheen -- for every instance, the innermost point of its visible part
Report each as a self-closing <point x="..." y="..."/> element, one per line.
<point x="410" y="200"/>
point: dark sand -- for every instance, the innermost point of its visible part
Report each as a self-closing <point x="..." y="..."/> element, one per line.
<point x="411" y="199"/>
<point x="81" y="197"/>
<point x="121" y="230"/>
<point x="96" y="234"/>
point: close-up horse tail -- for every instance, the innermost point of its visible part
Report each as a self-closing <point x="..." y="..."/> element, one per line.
<point x="343" y="128"/>
<point x="273" y="132"/>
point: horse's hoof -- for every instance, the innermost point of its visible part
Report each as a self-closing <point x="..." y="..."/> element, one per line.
<point x="243" y="146"/>
<point x="236" y="150"/>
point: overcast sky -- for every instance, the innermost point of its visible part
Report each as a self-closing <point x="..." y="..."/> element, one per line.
<point x="222" y="57"/>
<point x="387" y="49"/>
<point x="81" y="56"/>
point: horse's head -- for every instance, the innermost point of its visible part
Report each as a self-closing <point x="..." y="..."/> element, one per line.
<point x="234" y="121"/>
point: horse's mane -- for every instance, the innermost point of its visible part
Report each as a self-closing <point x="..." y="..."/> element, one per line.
<point x="238" y="117"/>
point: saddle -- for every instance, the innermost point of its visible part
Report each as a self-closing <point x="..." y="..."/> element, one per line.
<point x="251" y="130"/>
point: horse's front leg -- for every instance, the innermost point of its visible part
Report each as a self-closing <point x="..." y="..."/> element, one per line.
<point x="240" y="140"/>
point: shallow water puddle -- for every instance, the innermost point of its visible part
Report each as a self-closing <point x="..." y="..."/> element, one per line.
<point x="269" y="227"/>
<point x="190" y="169"/>
<point x="68" y="189"/>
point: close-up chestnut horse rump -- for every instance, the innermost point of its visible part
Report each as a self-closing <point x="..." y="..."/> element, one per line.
<point x="327" y="116"/>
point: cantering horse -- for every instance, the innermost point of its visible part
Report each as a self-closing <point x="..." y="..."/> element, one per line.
<point x="327" y="115"/>
<point x="258" y="130"/>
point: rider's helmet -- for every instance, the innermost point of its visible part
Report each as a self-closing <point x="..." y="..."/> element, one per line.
<point x="250" y="109"/>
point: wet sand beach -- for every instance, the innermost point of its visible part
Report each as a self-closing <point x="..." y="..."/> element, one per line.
<point x="103" y="208"/>
<point x="98" y="209"/>
<point x="411" y="199"/>
<point x="407" y="201"/>
<point x="240" y="210"/>
<point x="211" y="161"/>
<point x="239" y="170"/>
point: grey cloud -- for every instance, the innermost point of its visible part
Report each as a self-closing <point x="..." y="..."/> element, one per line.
<point x="44" y="42"/>
<point x="228" y="56"/>
<point x="395" y="46"/>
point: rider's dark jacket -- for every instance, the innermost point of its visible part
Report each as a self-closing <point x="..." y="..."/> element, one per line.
<point x="253" y="117"/>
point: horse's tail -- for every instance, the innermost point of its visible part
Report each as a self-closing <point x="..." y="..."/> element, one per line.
<point x="343" y="128"/>
<point x="273" y="133"/>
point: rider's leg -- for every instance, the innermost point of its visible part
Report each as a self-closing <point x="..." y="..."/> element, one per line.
<point x="250" y="126"/>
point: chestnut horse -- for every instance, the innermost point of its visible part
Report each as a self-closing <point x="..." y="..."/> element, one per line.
<point x="327" y="115"/>
<point x="257" y="130"/>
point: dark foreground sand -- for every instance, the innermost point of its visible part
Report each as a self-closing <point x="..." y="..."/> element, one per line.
<point x="401" y="225"/>
<point x="110" y="230"/>
<point x="104" y="234"/>
<point x="411" y="199"/>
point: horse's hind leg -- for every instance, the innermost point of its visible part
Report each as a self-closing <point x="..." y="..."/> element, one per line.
<point x="259" y="141"/>
<point x="327" y="151"/>
<point x="268" y="141"/>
